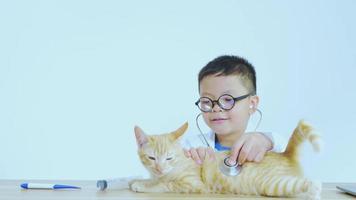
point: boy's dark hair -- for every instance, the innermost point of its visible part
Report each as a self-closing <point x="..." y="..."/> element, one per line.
<point x="231" y="65"/>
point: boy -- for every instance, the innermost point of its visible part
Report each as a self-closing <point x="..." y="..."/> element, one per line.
<point x="227" y="88"/>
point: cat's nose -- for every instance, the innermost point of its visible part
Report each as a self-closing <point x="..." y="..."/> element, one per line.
<point x="159" y="169"/>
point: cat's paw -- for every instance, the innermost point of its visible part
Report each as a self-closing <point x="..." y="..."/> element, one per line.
<point x="138" y="186"/>
<point x="314" y="190"/>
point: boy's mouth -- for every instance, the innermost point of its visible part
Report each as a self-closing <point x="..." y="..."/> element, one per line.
<point x="218" y="120"/>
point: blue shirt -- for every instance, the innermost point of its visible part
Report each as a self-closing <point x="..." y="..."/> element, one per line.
<point x="220" y="147"/>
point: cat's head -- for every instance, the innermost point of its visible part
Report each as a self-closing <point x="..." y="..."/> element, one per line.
<point x="160" y="154"/>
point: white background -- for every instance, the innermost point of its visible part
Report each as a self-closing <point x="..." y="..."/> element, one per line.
<point x="76" y="76"/>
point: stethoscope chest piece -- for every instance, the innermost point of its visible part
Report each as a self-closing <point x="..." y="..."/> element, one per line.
<point x="229" y="170"/>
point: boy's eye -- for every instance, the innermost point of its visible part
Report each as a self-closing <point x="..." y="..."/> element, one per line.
<point x="170" y="158"/>
<point x="151" y="158"/>
<point x="228" y="99"/>
<point x="205" y="102"/>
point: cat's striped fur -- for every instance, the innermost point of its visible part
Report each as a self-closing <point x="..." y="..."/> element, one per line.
<point x="279" y="174"/>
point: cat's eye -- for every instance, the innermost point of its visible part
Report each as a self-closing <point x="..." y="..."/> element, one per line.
<point x="170" y="158"/>
<point x="151" y="158"/>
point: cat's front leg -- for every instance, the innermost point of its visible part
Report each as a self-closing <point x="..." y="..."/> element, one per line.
<point x="148" y="186"/>
<point x="138" y="186"/>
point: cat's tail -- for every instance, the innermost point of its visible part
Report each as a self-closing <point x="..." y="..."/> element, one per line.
<point x="301" y="133"/>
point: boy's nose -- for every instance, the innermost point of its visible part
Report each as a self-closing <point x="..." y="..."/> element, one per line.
<point x="216" y="108"/>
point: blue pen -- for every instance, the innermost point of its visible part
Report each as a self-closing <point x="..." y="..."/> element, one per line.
<point x="47" y="186"/>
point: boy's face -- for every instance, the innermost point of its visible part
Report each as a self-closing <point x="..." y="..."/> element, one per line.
<point x="227" y="121"/>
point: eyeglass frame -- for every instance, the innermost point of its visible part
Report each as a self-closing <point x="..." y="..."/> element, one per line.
<point x="236" y="99"/>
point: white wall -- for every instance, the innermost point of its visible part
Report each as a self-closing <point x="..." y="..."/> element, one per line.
<point x="76" y="76"/>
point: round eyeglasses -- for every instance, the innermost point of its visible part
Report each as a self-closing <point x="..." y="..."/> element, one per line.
<point x="225" y="102"/>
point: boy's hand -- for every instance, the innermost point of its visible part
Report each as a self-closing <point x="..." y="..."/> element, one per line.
<point x="198" y="154"/>
<point x="250" y="147"/>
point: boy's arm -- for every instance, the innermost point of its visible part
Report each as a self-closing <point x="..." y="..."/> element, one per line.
<point x="279" y="143"/>
<point x="191" y="141"/>
<point x="195" y="147"/>
<point x="250" y="147"/>
<point x="254" y="145"/>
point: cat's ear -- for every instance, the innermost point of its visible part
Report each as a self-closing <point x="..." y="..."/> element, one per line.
<point x="141" y="137"/>
<point x="179" y="132"/>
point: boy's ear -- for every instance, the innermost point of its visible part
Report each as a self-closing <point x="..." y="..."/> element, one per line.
<point x="254" y="100"/>
<point x="180" y="131"/>
<point x="141" y="137"/>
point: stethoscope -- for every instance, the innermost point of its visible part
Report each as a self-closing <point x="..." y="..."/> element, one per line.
<point x="225" y="167"/>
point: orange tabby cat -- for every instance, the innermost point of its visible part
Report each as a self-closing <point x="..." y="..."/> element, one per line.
<point x="279" y="174"/>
